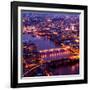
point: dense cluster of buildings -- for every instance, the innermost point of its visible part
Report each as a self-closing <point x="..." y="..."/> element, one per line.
<point x="62" y="30"/>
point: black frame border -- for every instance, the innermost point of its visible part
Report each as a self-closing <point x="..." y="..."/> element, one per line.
<point x="14" y="43"/>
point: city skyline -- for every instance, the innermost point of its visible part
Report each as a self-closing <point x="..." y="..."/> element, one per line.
<point x="50" y="43"/>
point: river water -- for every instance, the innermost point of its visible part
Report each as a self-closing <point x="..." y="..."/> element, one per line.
<point x="41" y="42"/>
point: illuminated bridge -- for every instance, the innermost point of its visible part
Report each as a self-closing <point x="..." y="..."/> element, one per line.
<point x="56" y="53"/>
<point x="52" y="56"/>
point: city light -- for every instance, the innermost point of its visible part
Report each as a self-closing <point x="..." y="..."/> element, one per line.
<point x="50" y="43"/>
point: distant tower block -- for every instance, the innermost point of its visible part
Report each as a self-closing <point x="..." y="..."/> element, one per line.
<point x="72" y="27"/>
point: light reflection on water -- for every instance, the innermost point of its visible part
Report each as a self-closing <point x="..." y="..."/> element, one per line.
<point x="41" y="42"/>
<point x="66" y="70"/>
